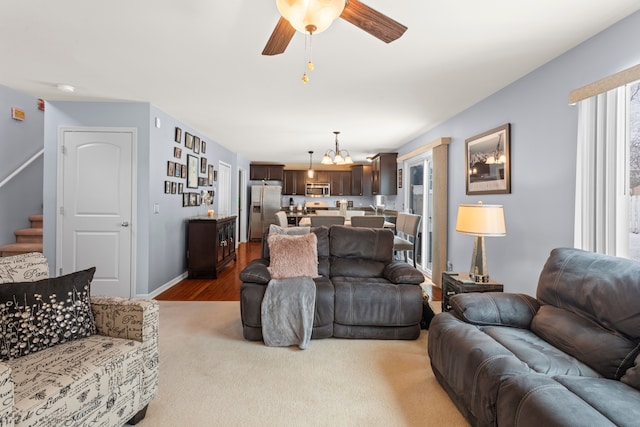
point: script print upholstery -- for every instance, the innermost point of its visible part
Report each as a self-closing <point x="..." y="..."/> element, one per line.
<point x="101" y="380"/>
<point x="29" y="267"/>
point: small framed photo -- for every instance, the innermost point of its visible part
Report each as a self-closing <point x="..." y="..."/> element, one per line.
<point x="178" y="135"/>
<point x="180" y="188"/>
<point x="184" y="171"/>
<point x="203" y="164"/>
<point x="174" y="187"/>
<point x="188" y="140"/>
<point x="178" y="170"/>
<point x="167" y="187"/>
<point x="192" y="171"/>
<point x="185" y="200"/>
<point x="210" y="175"/>
<point x="215" y="175"/>
<point x="488" y="162"/>
<point x="193" y="199"/>
<point x="171" y="168"/>
<point x="177" y="152"/>
<point x="400" y="178"/>
<point x="196" y="145"/>
<point x="203" y="147"/>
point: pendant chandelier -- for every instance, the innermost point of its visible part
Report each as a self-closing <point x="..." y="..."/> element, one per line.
<point x="310" y="170"/>
<point x="337" y="156"/>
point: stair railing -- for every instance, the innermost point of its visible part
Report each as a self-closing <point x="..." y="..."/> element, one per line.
<point x="22" y="167"/>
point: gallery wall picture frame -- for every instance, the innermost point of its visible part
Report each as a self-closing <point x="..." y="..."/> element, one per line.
<point x="184" y="171"/>
<point x="178" y="173"/>
<point x="185" y="200"/>
<point x="210" y="175"/>
<point x="167" y="187"/>
<point x="196" y="145"/>
<point x="192" y="171"/>
<point x="215" y="175"/>
<point x="174" y="187"/>
<point x="178" y="135"/>
<point x="488" y="162"/>
<point x="203" y="147"/>
<point x="171" y="168"/>
<point x="188" y="140"/>
<point x="203" y="164"/>
<point x="180" y="188"/>
<point x="177" y="152"/>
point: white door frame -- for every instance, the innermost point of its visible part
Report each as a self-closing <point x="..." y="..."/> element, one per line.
<point x="134" y="192"/>
<point x="242" y="205"/>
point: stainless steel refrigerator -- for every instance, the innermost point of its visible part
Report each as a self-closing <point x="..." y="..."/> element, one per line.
<point x="265" y="202"/>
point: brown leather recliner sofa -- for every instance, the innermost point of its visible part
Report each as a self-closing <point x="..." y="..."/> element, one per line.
<point x="569" y="357"/>
<point x="362" y="292"/>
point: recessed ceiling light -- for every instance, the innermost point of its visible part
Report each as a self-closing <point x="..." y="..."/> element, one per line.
<point x="65" y="88"/>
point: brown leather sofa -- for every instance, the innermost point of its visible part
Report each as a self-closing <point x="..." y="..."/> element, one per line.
<point x="362" y="292"/>
<point x="569" y="357"/>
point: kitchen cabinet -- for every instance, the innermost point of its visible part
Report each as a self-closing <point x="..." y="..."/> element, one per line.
<point x="266" y="172"/>
<point x="211" y="245"/>
<point x="319" y="176"/>
<point x="384" y="174"/>
<point x="340" y="183"/>
<point x="294" y="182"/>
<point x="361" y="180"/>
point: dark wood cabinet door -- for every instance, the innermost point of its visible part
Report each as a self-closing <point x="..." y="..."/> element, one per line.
<point x="211" y="245"/>
<point x="384" y="174"/>
<point x="294" y="182"/>
<point x="361" y="180"/>
<point x="266" y="172"/>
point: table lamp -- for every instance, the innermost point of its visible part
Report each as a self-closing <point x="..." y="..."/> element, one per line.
<point x="480" y="220"/>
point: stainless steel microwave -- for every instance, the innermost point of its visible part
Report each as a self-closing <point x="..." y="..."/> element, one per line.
<point x="318" y="189"/>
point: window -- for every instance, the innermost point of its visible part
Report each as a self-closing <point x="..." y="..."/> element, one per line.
<point x="634" y="171"/>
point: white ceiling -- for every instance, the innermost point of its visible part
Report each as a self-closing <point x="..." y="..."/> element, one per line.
<point x="200" y="61"/>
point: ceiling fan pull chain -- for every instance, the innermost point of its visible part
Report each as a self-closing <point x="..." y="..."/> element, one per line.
<point x="307" y="53"/>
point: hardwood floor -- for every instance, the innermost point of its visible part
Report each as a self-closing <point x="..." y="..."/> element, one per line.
<point x="227" y="286"/>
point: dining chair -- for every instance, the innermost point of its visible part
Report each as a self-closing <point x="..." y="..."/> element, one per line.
<point x="407" y="234"/>
<point x="317" y="221"/>
<point x="281" y="219"/>
<point x="371" y="221"/>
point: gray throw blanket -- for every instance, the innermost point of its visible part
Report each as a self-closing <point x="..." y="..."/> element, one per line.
<point x="287" y="312"/>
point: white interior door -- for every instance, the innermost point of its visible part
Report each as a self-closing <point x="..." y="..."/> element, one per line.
<point x="95" y="210"/>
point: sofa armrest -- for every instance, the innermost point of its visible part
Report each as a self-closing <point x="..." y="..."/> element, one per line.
<point x="400" y="272"/>
<point x="134" y="319"/>
<point x="256" y="272"/>
<point x="495" y="309"/>
<point x="6" y="395"/>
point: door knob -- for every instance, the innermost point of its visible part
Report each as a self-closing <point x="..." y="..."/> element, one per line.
<point x="125" y="224"/>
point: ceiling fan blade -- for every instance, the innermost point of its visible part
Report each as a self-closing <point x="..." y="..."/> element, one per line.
<point x="280" y="38"/>
<point x="372" y="21"/>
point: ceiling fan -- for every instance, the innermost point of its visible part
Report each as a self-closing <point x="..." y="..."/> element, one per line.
<point x="353" y="11"/>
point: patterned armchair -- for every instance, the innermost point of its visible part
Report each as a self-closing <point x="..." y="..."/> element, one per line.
<point x="107" y="378"/>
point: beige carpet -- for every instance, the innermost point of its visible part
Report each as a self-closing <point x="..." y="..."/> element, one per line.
<point x="211" y="376"/>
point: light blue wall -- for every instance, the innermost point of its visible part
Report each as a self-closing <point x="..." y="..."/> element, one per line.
<point x="19" y="141"/>
<point x="539" y="210"/>
<point x="160" y="238"/>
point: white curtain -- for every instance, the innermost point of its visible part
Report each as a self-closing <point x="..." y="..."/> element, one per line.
<point x="601" y="210"/>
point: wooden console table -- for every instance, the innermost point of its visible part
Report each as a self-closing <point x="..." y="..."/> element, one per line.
<point x="211" y="245"/>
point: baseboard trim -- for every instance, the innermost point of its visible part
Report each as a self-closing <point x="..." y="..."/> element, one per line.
<point x="164" y="287"/>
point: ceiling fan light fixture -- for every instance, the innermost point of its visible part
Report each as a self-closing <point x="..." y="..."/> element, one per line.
<point x="315" y="13"/>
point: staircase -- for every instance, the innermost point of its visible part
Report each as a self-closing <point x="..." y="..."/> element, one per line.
<point x="27" y="239"/>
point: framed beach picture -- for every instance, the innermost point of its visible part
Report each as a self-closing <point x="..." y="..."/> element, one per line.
<point x="488" y="162"/>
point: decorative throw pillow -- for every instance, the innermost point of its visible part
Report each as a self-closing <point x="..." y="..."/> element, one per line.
<point x="37" y="315"/>
<point x="29" y="267"/>
<point x="293" y="256"/>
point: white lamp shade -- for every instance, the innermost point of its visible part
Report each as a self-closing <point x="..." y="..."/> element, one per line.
<point x="319" y="13"/>
<point x="481" y="220"/>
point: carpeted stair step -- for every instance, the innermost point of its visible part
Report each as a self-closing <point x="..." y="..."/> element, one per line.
<point x="36" y="220"/>
<point x="29" y="235"/>
<point x="19" y="248"/>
